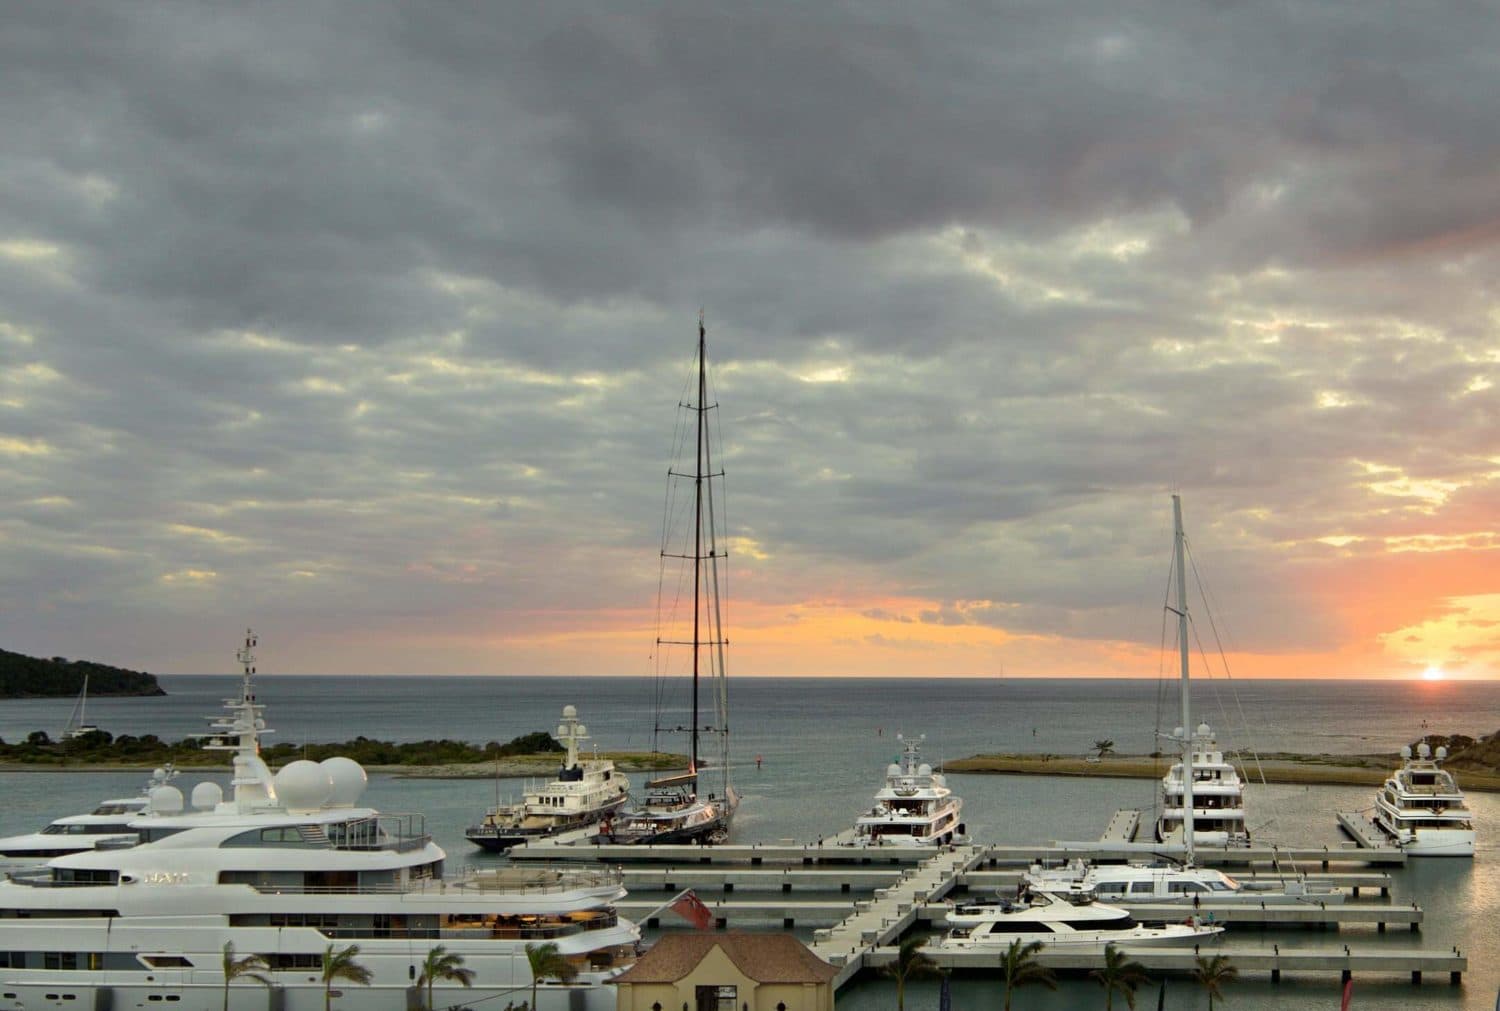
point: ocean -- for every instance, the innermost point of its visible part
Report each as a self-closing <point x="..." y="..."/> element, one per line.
<point x="823" y="745"/>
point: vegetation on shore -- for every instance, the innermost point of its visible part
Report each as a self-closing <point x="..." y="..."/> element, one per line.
<point x="1476" y="763"/>
<point x="29" y="677"/>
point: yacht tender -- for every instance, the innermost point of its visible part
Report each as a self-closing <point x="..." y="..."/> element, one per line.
<point x="1421" y="808"/>
<point x="583" y="794"/>
<point x="285" y="867"/>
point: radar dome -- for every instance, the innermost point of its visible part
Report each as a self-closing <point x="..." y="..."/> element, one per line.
<point x="1177" y="732"/>
<point x="924" y="769"/>
<point x="206" y="796"/>
<point x="893" y="769"/>
<point x="1406" y="751"/>
<point x="166" y="800"/>
<point x="1441" y="753"/>
<point x="570" y="712"/>
<point x="349" y="780"/>
<point x="1423" y="750"/>
<point x="1204" y="730"/>
<point x="303" y="786"/>
<point x="158" y="773"/>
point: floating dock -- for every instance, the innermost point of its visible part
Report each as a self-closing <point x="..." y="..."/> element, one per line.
<point x="1362" y="830"/>
<point x="1269" y="959"/>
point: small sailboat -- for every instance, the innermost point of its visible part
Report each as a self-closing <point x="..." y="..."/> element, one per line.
<point x="78" y="720"/>
<point x="683" y="807"/>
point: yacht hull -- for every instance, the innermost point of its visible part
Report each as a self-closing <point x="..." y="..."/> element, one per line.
<point x="1432" y="842"/>
<point x="1176" y="935"/>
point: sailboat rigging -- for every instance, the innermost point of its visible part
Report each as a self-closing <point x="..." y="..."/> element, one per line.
<point x="675" y="808"/>
<point x="78" y="721"/>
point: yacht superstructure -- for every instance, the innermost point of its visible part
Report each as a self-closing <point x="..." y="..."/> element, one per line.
<point x="284" y="867"/>
<point x="913" y="807"/>
<point x="1421" y="808"/>
<point x="584" y="793"/>
<point x="79" y="832"/>
<point x="1217" y="792"/>
<point x="1127" y="885"/>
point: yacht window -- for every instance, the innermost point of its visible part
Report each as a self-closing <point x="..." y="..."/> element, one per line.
<point x="60" y="960"/>
<point x="1111" y="889"/>
<point x="166" y="962"/>
<point x="153" y="834"/>
<point x="1142" y="887"/>
<point x="283" y="835"/>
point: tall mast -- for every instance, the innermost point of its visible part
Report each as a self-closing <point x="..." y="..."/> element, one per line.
<point x="698" y="534"/>
<point x="1182" y="648"/>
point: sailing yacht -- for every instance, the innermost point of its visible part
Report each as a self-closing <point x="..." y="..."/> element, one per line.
<point x="290" y="866"/>
<point x="1202" y="796"/>
<point x="584" y="793"/>
<point x="914" y="807"/>
<point x="78" y="720"/>
<point x="679" y="808"/>
<point x="1421" y="808"/>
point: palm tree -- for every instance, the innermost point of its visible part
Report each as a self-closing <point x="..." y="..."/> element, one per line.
<point x="911" y="963"/>
<point x="1104" y="747"/>
<point x="547" y="962"/>
<point x="251" y="967"/>
<point x="1213" y="973"/>
<point x="445" y="965"/>
<point x="1021" y="968"/>
<point x="341" y="965"/>
<point x="1119" y="974"/>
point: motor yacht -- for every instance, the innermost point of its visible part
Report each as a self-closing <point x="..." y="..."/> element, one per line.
<point x="79" y="832"/>
<point x="1218" y="795"/>
<point x="1422" y="810"/>
<point x="1073" y="922"/>
<point x="584" y="793"/>
<point x="913" y="807"/>
<point x="1131" y="885"/>
<point x="285" y="866"/>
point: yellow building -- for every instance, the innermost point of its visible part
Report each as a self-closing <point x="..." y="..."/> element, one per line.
<point x="727" y="972"/>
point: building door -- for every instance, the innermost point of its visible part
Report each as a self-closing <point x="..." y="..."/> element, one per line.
<point x="716" y="998"/>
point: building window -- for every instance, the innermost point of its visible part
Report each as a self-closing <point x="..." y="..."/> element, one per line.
<point x="717" y="998"/>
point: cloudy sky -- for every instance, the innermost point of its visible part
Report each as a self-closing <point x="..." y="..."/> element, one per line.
<point x="366" y="323"/>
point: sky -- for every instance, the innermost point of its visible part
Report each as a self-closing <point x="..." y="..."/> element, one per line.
<point x="366" y="324"/>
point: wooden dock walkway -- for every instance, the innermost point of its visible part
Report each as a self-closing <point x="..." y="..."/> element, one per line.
<point x="1264" y="958"/>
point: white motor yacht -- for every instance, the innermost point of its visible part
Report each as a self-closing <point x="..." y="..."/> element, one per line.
<point x="1218" y="796"/>
<point x="1130" y="885"/>
<point x="79" y="832"/>
<point x="1072" y="922"/>
<point x="284" y="867"/>
<point x="1421" y="808"/>
<point x="913" y="807"/>
<point x="584" y="793"/>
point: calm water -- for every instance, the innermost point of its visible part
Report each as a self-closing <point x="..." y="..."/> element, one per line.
<point x="824" y="744"/>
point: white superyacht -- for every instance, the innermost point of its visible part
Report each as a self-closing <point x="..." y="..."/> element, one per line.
<point x="584" y="793"/>
<point x="914" y="807"/>
<point x="77" y="833"/>
<point x="1421" y="808"/>
<point x="285" y="867"/>
<point x="1074" y="923"/>
<point x="1217" y="792"/>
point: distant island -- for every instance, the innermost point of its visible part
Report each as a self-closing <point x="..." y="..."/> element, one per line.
<point x="1475" y="763"/>
<point x="29" y="677"/>
<point x="530" y="754"/>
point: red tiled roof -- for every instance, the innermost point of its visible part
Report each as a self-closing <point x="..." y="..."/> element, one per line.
<point x="765" y="958"/>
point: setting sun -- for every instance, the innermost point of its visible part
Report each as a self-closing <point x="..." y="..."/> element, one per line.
<point x="1433" y="673"/>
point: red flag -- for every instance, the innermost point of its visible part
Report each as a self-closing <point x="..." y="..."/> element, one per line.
<point x="691" y="908"/>
<point x="1348" y="993"/>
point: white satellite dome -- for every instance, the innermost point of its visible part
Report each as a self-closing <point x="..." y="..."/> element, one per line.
<point x="165" y="800"/>
<point x="1177" y="732"/>
<point x="207" y="796"/>
<point x="303" y="786"/>
<point x="893" y="769"/>
<point x="1204" y="730"/>
<point x="1423" y="750"/>
<point x="1441" y="753"/>
<point x="570" y="712"/>
<point x="348" y="778"/>
<point x="924" y="769"/>
<point x="1406" y="751"/>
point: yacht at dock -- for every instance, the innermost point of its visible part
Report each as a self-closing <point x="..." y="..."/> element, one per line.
<point x="1072" y="922"/>
<point x="1422" y="810"/>
<point x="585" y="793"/>
<point x="913" y="807"/>
<point x="77" y="833"/>
<point x="1218" y="795"/>
<point x="284" y="867"/>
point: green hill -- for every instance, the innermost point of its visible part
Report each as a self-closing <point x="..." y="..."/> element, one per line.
<point x="29" y="677"/>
